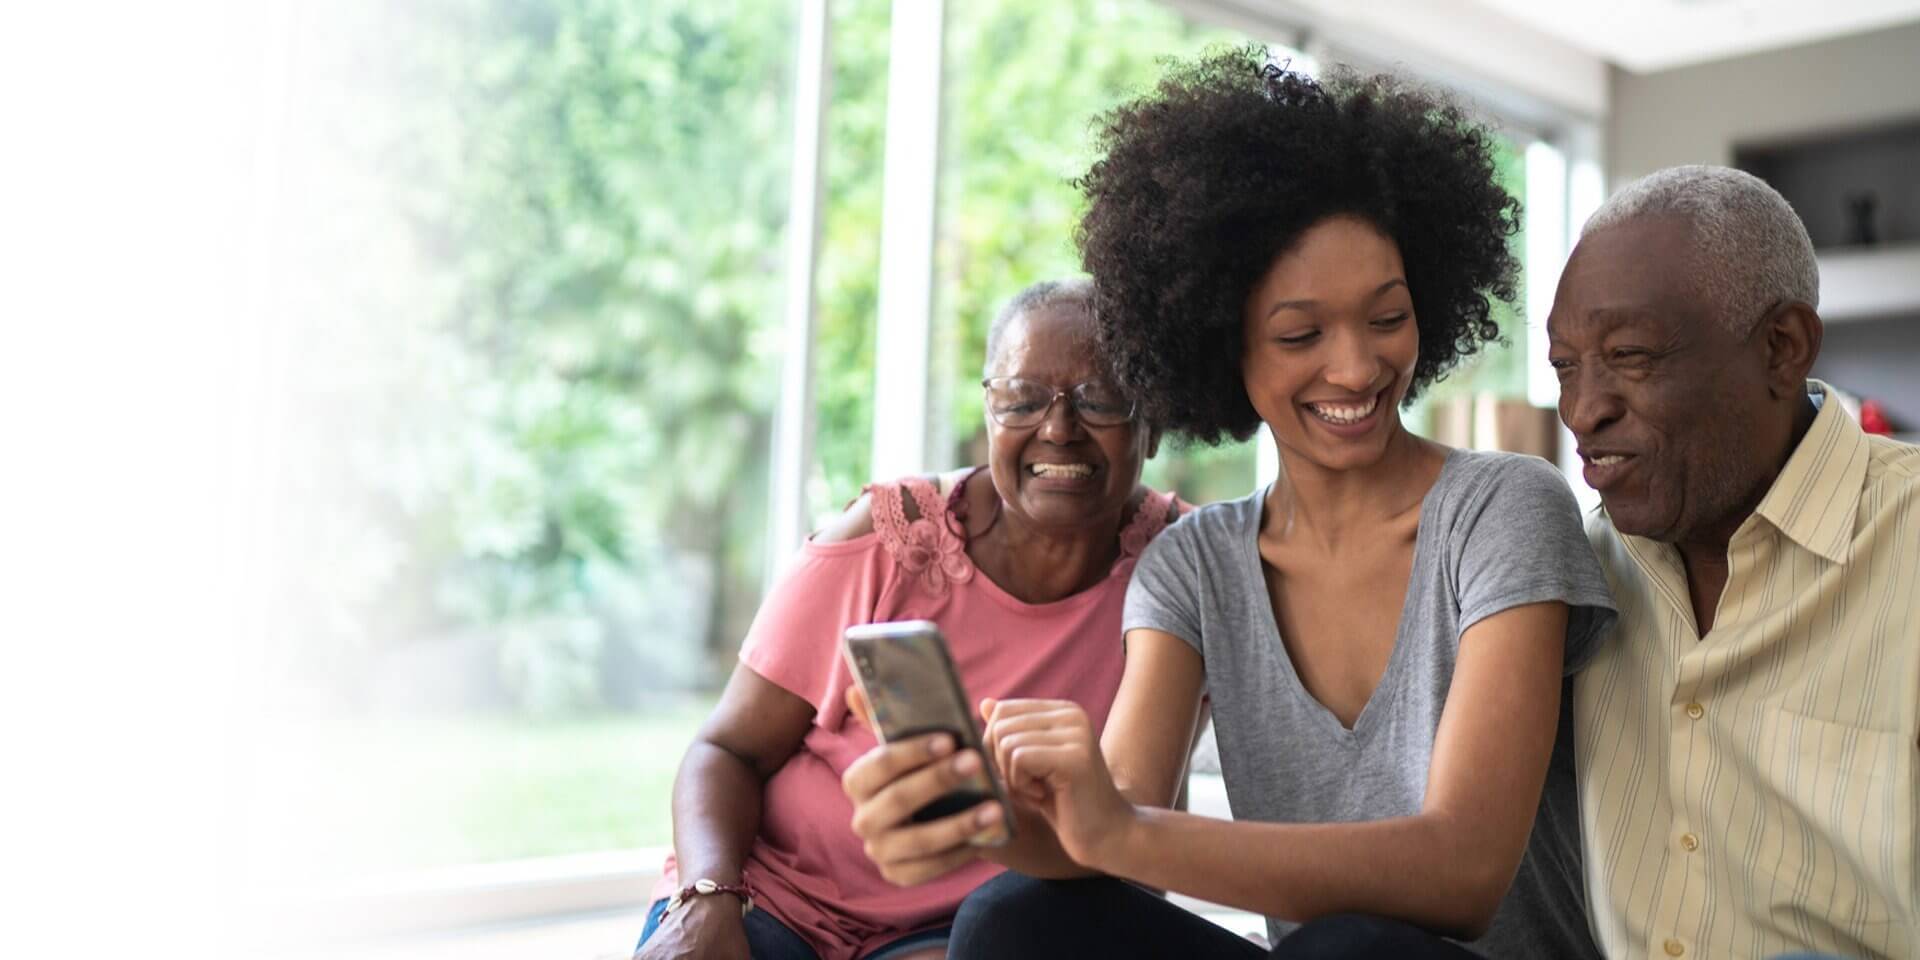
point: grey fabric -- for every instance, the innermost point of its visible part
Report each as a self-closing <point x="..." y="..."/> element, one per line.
<point x="1496" y="531"/>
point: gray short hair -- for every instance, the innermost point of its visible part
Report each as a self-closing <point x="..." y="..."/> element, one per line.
<point x="1750" y="252"/>
<point x="1076" y="292"/>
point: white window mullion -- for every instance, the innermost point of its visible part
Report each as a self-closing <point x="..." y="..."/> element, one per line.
<point x="910" y="199"/>
<point x="793" y="424"/>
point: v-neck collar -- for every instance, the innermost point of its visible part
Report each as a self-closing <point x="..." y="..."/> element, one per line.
<point x="1385" y="690"/>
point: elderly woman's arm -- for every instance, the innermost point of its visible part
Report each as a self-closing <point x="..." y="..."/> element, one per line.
<point x="755" y="728"/>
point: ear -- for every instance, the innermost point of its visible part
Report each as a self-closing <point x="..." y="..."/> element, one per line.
<point x="1793" y="332"/>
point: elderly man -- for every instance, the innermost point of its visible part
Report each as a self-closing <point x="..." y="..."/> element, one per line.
<point x="1747" y="747"/>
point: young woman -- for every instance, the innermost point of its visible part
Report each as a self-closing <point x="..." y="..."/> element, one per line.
<point x="1383" y="633"/>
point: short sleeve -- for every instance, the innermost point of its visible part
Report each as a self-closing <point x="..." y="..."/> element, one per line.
<point x="1522" y="543"/>
<point x="795" y="638"/>
<point x="1165" y="594"/>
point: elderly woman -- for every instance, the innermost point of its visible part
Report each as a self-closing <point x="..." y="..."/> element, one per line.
<point x="1023" y="563"/>
<point x="1384" y="632"/>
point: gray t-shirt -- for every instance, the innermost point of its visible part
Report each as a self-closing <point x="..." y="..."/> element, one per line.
<point x="1496" y="531"/>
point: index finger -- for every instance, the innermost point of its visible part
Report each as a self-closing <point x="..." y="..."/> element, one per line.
<point x="996" y="712"/>
<point x="890" y="761"/>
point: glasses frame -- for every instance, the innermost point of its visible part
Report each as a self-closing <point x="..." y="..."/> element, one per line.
<point x="1073" y="395"/>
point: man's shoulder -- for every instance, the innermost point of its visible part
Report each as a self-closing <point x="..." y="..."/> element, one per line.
<point x="1893" y="463"/>
<point x="1891" y="492"/>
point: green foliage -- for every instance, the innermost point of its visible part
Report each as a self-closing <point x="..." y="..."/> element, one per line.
<point x="544" y="306"/>
<point x="1500" y="368"/>
<point x="1024" y="83"/>
<point x="348" y="798"/>
<point x="572" y="375"/>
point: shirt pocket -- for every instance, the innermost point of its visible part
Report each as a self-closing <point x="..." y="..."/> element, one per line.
<point x="1834" y="828"/>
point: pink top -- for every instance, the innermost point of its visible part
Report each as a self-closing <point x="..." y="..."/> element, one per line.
<point x="806" y="866"/>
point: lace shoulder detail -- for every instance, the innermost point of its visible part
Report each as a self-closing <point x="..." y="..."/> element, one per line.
<point x="1147" y="523"/>
<point x="926" y="547"/>
<point x="889" y="513"/>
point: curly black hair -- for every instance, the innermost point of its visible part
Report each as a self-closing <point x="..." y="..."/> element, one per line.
<point x="1204" y="182"/>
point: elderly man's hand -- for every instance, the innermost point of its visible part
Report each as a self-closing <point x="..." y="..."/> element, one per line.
<point x="895" y="779"/>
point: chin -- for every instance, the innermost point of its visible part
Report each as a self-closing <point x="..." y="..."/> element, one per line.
<point x="1350" y="457"/>
<point x="1633" y="517"/>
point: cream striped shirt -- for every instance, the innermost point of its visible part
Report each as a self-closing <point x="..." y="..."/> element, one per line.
<point x="1754" y="791"/>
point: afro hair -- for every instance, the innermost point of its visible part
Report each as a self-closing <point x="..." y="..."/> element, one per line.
<point x="1201" y="184"/>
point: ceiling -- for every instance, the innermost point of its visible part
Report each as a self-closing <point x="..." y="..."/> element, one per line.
<point x="1648" y="35"/>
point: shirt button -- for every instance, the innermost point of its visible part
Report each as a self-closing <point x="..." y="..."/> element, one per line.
<point x="1696" y="711"/>
<point x="1689" y="843"/>
<point x="1674" y="947"/>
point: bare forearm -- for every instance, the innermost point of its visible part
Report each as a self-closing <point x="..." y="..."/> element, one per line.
<point x="1421" y="869"/>
<point x="716" y="813"/>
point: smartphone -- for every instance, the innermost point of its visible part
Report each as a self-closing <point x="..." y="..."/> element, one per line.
<point x="912" y="688"/>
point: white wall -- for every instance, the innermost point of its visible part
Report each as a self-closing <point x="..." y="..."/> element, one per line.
<point x="1502" y="66"/>
<point x="1696" y="114"/>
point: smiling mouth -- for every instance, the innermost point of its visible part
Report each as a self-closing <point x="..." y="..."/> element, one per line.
<point x="1346" y="414"/>
<point x="1061" y="471"/>
<point x="1605" y="470"/>
<point x="1604" y="459"/>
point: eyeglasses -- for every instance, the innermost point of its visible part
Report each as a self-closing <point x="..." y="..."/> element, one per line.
<point x="1017" y="403"/>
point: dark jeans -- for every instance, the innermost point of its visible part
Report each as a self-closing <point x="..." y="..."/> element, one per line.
<point x="769" y="939"/>
<point x="1015" y="916"/>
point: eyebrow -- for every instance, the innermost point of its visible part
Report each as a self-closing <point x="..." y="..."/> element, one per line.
<point x="1630" y="311"/>
<point x="1610" y="319"/>
<point x="1309" y="304"/>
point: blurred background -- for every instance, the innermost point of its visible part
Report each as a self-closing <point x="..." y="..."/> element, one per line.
<point x="544" y="330"/>
<point x="539" y="381"/>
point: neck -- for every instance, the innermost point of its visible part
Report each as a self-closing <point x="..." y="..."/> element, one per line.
<point x="1706" y="545"/>
<point x="1329" y="505"/>
<point x="1040" y="564"/>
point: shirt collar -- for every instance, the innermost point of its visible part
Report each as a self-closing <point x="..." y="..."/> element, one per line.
<point x="1815" y="497"/>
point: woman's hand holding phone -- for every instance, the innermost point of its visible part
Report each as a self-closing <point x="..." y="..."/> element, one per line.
<point x="895" y="779"/>
<point x="1050" y="757"/>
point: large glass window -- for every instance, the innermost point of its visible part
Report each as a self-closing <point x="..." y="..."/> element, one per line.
<point x="1025" y="82"/>
<point x="539" y="254"/>
<point x="849" y="270"/>
<point x="535" y="270"/>
<point x="1483" y="401"/>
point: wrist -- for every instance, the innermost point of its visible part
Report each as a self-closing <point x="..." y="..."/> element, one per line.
<point x="736" y="895"/>
<point x="1114" y="848"/>
<point x="700" y="912"/>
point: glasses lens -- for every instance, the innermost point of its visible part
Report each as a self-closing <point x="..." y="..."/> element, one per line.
<point x="1102" y="404"/>
<point x="1018" y="403"/>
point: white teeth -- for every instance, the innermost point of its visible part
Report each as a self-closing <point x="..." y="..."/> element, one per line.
<point x="1344" y="413"/>
<point x="1606" y="461"/>
<point x="1062" y="470"/>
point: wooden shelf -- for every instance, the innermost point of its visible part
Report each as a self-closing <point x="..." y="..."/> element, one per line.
<point x="1869" y="282"/>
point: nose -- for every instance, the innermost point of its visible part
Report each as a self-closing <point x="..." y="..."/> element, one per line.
<point x="1354" y="366"/>
<point x="1061" y="425"/>
<point x="1589" y="402"/>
